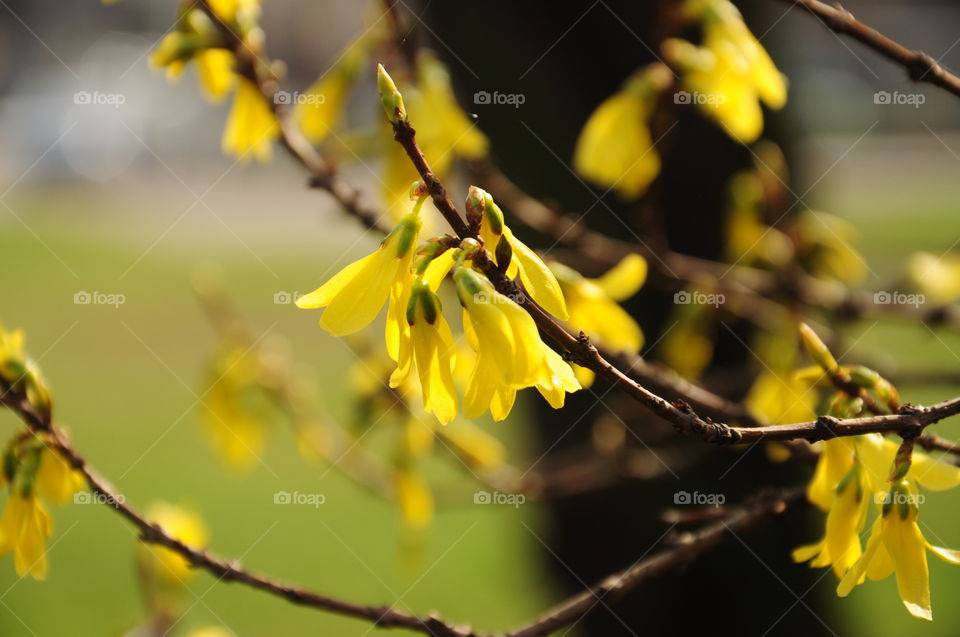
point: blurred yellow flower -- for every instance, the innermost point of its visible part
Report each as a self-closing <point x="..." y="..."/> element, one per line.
<point x="615" y="148"/>
<point x="24" y="528"/>
<point x="251" y="126"/>
<point x="161" y="563"/>
<point x="730" y="73"/>
<point x="592" y="302"/>
<point x="55" y="480"/>
<point x="936" y="277"/>
<point x="319" y="108"/>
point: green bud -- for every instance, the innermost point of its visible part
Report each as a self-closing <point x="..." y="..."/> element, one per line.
<point x="493" y="214"/>
<point x="816" y="348"/>
<point x="409" y="228"/>
<point x="390" y="97"/>
<point x="863" y="376"/>
<point x="504" y="254"/>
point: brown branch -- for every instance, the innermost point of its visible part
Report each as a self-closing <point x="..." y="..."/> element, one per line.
<point x="616" y="586"/>
<point x="680" y="414"/>
<point x="918" y="65"/>
<point x="757" y="510"/>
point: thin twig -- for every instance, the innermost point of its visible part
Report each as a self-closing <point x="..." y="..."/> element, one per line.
<point x="616" y="586"/>
<point x="918" y="65"/>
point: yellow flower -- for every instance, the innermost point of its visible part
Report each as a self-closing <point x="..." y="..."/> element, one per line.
<point x="234" y="413"/>
<point x="161" y="563"/>
<point x="11" y="354"/>
<point x="510" y="354"/>
<point x="215" y="70"/>
<point x="840" y="547"/>
<point x="835" y="461"/>
<point x="427" y="343"/>
<point x="937" y="277"/>
<point x="323" y="103"/>
<point x="55" y="480"/>
<point x="537" y="278"/>
<point x="473" y="445"/>
<point x="825" y="244"/>
<point x="724" y="23"/>
<point x="748" y="238"/>
<point x="251" y="126"/>
<point x="557" y="378"/>
<point x="615" y="148"/>
<point x="414" y="498"/>
<point x="592" y="305"/>
<point x="897" y="546"/>
<point x="777" y="400"/>
<point x="353" y="297"/>
<point x="23" y="529"/>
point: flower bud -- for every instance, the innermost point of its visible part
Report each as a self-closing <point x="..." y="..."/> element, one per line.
<point x="817" y="349"/>
<point x="390" y="97"/>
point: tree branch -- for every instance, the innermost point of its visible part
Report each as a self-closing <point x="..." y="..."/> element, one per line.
<point x="757" y="511"/>
<point x="918" y="65"/>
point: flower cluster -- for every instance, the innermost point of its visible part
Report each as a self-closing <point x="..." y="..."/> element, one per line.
<point x="729" y="73"/>
<point x="506" y="346"/>
<point x="854" y="473"/>
<point x="34" y="474"/>
<point x="251" y="126"/>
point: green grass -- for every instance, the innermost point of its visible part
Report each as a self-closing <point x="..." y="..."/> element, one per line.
<point x="124" y="381"/>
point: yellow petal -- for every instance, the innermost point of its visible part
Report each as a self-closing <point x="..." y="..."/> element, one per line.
<point x="908" y="549"/>
<point x="537" y="278"/>
<point x="322" y="295"/>
<point x="932" y="473"/>
<point x="624" y="279"/>
<point x="360" y="300"/>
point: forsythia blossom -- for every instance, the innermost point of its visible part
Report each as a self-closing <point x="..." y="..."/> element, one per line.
<point x="615" y="148"/>
<point x="853" y="473"/>
<point x="33" y="473"/>
<point x="251" y="126"/>
<point x="730" y="73"/>
<point x="507" y="352"/>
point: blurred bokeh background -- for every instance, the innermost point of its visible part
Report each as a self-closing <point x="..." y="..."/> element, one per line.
<point x="130" y="198"/>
